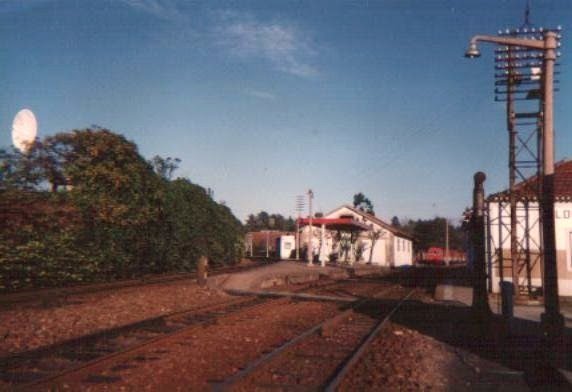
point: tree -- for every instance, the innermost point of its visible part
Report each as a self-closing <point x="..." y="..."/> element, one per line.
<point x="432" y="233"/>
<point x="265" y="221"/>
<point x="373" y="236"/>
<point x="395" y="222"/>
<point x="39" y="166"/>
<point x="165" y="167"/>
<point x="122" y="216"/>
<point x="362" y="203"/>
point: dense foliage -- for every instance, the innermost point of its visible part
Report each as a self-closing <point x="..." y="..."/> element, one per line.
<point x="432" y="232"/>
<point x="265" y="221"/>
<point x="362" y="203"/>
<point x="86" y="206"/>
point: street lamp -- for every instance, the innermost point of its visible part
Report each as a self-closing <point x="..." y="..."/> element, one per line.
<point x="552" y="319"/>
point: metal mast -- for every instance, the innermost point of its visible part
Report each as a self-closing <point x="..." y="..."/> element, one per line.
<point x="519" y="82"/>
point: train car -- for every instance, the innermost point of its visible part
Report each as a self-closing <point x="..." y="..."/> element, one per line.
<point x="436" y="256"/>
<point x="433" y="256"/>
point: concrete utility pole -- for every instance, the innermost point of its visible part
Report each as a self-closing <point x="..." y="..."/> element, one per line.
<point x="299" y="208"/>
<point x="552" y="319"/>
<point x="446" y="256"/>
<point x="310" y="252"/>
<point x="270" y="226"/>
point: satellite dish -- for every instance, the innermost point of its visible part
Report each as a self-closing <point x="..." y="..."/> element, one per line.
<point x="24" y="130"/>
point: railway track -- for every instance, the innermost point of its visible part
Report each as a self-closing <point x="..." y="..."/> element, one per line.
<point x="45" y="366"/>
<point x="48" y="295"/>
<point x="38" y="366"/>
<point x="320" y="357"/>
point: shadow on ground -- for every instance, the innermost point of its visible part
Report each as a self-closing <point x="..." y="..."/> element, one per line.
<point x="520" y="346"/>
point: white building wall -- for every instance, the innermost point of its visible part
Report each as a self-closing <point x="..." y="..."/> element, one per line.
<point x="287" y="245"/>
<point x="563" y="229"/>
<point x="563" y="218"/>
<point x="385" y="252"/>
<point x="504" y="221"/>
<point x="403" y="251"/>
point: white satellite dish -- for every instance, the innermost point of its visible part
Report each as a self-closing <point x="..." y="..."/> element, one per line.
<point x="24" y="130"/>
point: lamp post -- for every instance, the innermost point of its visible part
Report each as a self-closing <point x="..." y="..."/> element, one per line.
<point x="552" y="319"/>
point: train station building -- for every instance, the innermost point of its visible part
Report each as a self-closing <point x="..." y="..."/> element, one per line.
<point x="349" y="235"/>
<point x="528" y="235"/>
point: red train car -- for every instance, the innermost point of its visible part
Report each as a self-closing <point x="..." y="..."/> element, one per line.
<point x="436" y="256"/>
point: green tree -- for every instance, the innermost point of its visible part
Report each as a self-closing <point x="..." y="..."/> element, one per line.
<point x="431" y="232"/>
<point x="265" y="221"/>
<point x="362" y="203"/>
<point x="120" y="216"/>
<point x="165" y="167"/>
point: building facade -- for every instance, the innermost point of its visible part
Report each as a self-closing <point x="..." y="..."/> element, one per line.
<point x="528" y="236"/>
<point x="379" y="243"/>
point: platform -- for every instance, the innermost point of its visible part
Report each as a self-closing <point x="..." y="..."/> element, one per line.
<point x="290" y="272"/>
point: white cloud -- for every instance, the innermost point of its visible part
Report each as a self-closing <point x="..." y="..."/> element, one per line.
<point x="283" y="45"/>
<point x="260" y="94"/>
<point x="162" y="9"/>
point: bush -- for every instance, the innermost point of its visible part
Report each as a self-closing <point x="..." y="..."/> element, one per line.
<point x="120" y="219"/>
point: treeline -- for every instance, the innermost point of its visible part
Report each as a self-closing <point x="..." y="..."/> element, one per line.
<point x="432" y="232"/>
<point x="265" y="221"/>
<point x="86" y="206"/>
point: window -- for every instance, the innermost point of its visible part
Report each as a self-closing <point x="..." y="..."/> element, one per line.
<point x="570" y="250"/>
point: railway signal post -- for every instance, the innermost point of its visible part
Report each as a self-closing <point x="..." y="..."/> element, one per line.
<point x="552" y="319"/>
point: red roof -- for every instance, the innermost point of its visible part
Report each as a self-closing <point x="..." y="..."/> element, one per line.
<point x="395" y="230"/>
<point x="562" y="183"/>
<point x="342" y="224"/>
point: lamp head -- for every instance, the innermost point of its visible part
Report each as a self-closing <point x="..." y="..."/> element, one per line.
<point x="472" y="52"/>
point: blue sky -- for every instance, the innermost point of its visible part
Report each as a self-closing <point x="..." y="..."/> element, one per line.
<point x="264" y="99"/>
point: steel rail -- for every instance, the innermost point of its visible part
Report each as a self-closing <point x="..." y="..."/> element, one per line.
<point x="336" y="381"/>
<point x="228" y="383"/>
<point x="13" y="360"/>
<point x="50" y="380"/>
<point x="19" y="360"/>
<point x="53" y="293"/>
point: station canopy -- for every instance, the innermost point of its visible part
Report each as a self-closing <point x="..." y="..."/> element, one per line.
<point x="339" y="224"/>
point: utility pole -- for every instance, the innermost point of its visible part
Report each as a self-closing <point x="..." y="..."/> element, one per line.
<point x="552" y="319"/>
<point x="270" y="226"/>
<point x="299" y="208"/>
<point x="310" y="252"/>
<point x="446" y="241"/>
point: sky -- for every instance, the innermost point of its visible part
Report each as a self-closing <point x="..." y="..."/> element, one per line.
<point x="263" y="100"/>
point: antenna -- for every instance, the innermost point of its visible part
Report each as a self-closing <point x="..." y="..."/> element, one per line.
<point x="527" y="15"/>
<point x="300" y="204"/>
<point x="24" y="130"/>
